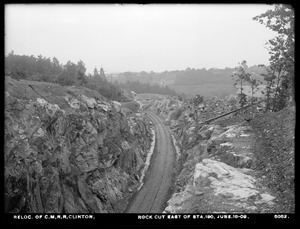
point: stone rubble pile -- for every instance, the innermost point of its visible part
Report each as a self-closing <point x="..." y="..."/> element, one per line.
<point x="171" y="108"/>
<point x="214" y="166"/>
<point x="215" y="106"/>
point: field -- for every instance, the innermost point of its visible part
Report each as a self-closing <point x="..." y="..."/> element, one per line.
<point x="207" y="90"/>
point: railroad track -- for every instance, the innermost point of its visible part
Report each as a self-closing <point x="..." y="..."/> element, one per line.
<point x="152" y="197"/>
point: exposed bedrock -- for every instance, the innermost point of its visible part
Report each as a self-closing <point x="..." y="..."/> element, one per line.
<point x="69" y="149"/>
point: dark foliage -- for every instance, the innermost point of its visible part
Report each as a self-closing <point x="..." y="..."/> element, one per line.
<point x="281" y="73"/>
<point x="44" y="69"/>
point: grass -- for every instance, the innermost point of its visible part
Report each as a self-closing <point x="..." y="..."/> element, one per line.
<point x="207" y="90"/>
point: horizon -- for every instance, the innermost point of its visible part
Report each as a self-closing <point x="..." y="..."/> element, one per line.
<point x="134" y="37"/>
<point x="98" y="68"/>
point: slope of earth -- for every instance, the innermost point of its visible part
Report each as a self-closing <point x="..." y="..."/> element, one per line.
<point x="275" y="154"/>
<point x="221" y="166"/>
<point x="69" y="149"/>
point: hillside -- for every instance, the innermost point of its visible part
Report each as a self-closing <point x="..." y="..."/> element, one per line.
<point x="208" y="83"/>
<point x="275" y="151"/>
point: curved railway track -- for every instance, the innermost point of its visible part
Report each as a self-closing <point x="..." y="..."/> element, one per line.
<point x="152" y="197"/>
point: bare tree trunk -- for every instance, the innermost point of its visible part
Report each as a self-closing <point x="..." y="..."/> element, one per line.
<point x="242" y="104"/>
<point x="276" y="90"/>
<point x="252" y="100"/>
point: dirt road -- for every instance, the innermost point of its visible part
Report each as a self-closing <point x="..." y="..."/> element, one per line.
<point x="152" y="197"/>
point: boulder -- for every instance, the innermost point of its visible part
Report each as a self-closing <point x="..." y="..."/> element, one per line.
<point x="205" y="132"/>
<point x="72" y="202"/>
<point x="93" y="203"/>
<point x="236" y="160"/>
<point x="219" y="186"/>
<point x="87" y="159"/>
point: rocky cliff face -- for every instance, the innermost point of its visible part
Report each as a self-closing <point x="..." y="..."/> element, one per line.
<point x="69" y="150"/>
<point x="215" y="162"/>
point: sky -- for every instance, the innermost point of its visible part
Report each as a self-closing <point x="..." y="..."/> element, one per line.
<point x="136" y="38"/>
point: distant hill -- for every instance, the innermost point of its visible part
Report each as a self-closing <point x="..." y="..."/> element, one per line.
<point x="140" y="88"/>
<point x="208" y="83"/>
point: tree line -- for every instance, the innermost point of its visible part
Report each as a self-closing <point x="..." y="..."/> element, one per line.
<point x="51" y="70"/>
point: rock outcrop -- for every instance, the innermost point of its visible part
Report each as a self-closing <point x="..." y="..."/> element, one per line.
<point x="215" y="162"/>
<point x="69" y="150"/>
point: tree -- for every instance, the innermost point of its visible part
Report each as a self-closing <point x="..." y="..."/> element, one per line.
<point x="56" y="67"/>
<point x="269" y="92"/>
<point x="281" y="49"/>
<point x="18" y="73"/>
<point x="69" y="74"/>
<point x="102" y="74"/>
<point x="81" y="72"/>
<point x="253" y="84"/>
<point x="241" y="77"/>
